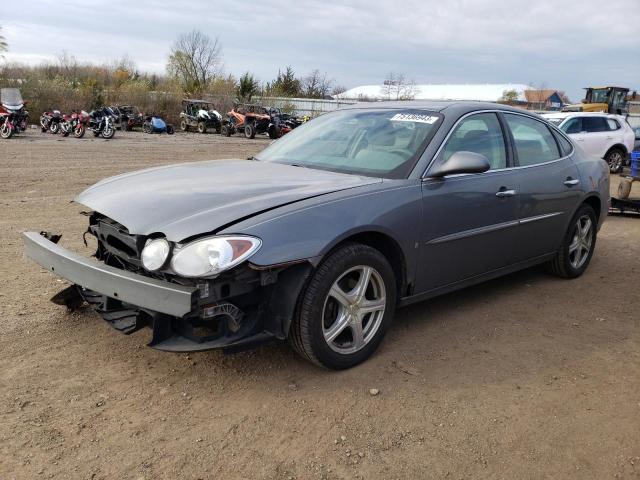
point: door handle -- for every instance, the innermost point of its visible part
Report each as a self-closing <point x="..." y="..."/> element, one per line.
<point x="570" y="182"/>
<point x="505" y="193"/>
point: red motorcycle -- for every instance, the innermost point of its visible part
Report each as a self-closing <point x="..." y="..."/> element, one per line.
<point x="13" y="115"/>
<point x="76" y="122"/>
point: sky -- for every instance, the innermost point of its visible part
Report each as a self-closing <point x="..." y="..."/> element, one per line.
<point x="560" y="44"/>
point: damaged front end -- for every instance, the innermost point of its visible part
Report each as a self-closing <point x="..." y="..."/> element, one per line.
<point x="243" y="306"/>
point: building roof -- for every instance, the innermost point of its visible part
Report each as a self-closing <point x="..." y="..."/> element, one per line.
<point x="480" y="92"/>
<point x="538" y="96"/>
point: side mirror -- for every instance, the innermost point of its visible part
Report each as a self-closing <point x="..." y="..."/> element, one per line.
<point x="461" y="162"/>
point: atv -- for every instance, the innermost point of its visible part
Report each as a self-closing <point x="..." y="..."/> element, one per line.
<point x="249" y="119"/>
<point x="281" y="123"/>
<point x="199" y="114"/>
<point x="127" y="117"/>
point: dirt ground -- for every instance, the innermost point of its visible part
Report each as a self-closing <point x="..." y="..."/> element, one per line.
<point x="527" y="376"/>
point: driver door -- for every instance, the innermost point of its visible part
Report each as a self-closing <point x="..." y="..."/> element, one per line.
<point x="470" y="221"/>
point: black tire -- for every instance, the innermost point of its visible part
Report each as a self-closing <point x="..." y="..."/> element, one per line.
<point x="250" y="131"/>
<point x="274" y="132"/>
<point x="170" y="130"/>
<point x="616" y="160"/>
<point x="108" y="133"/>
<point x="202" y="128"/>
<point x="5" y="131"/>
<point x="624" y="188"/>
<point x="562" y="265"/>
<point x="78" y="132"/>
<point x="306" y="333"/>
<point x="226" y="131"/>
<point x="146" y="127"/>
<point x="184" y="126"/>
<point x="54" y="128"/>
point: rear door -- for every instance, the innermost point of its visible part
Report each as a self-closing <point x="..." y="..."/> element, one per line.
<point x="597" y="136"/>
<point x="469" y="221"/>
<point x="548" y="182"/>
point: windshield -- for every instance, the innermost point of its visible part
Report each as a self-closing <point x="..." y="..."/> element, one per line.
<point x="600" y="95"/>
<point x="10" y="96"/>
<point x="375" y="142"/>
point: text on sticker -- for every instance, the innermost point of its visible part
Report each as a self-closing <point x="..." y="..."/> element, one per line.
<point x="410" y="117"/>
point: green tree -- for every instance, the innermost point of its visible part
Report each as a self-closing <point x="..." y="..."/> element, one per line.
<point x="509" y="96"/>
<point x="285" y="85"/>
<point x="247" y="87"/>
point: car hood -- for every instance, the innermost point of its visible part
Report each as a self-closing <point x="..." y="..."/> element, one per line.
<point x="189" y="199"/>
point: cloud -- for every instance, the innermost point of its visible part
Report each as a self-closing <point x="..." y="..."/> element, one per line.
<point x="565" y="45"/>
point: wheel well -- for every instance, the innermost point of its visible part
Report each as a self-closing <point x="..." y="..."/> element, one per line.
<point x="617" y="146"/>
<point x="595" y="203"/>
<point x="390" y="249"/>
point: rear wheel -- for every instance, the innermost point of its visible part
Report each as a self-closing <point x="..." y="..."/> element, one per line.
<point x="250" y="130"/>
<point x="108" y="132"/>
<point x="202" y="128"/>
<point x="346" y="309"/>
<point x="226" y="130"/>
<point x="183" y="126"/>
<point x="170" y="130"/>
<point x="146" y="127"/>
<point x="577" y="246"/>
<point x="79" y="131"/>
<point x="615" y="159"/>
<point x="54" y="128"/>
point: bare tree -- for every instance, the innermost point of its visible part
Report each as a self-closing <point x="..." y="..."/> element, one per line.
<point x="397" y="87"/>
<point x="195" y="60"/>
<point x="3" y="44"/>
<point x="316" y="84"/>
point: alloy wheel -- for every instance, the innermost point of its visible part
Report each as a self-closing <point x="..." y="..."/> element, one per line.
<point x="615" y="161"/>
<point x="580" y="245"/>
<point x="354" y="309"/>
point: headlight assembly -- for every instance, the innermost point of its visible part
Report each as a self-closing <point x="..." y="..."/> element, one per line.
<point x="155" y="254"/>
<point x="208" y="257"/>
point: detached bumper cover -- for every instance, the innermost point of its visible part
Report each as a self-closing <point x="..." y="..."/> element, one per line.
<point x="144" y="292"/>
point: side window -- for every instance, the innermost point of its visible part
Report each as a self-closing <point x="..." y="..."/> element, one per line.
<point x="533" y="141"/>
<point x="480" y="133"/>
<point x="594" y="124"/>
<point x="573" y="125"/>
<point x="565" y="145"/>
<point x="613" y="124"/>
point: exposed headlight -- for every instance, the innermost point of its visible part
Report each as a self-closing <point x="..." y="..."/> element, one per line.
<point x="155" y="254"/>
<point x="209" y="256"/>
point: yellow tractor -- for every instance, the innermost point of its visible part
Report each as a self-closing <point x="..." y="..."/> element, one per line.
<point x="603" y="99"/>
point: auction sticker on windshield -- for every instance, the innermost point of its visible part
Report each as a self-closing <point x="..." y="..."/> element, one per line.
<point x="411" y="117"/>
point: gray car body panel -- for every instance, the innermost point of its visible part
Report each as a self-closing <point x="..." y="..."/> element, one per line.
<point x="450" y="230"/>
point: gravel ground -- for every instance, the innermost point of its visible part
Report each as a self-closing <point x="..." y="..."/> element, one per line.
<point x="527" y="376"/>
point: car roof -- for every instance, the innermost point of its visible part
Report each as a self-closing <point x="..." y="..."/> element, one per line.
<point x="449" y="106"/>
<point x="577" y="114"/>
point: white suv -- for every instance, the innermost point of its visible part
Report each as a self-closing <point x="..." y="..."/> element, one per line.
<point x="601" y="134"/>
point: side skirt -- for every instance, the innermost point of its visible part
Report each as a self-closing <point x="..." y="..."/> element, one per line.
<point x="474" y="280"/>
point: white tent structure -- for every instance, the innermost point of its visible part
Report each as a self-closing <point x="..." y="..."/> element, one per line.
<point x="481" y="92"/>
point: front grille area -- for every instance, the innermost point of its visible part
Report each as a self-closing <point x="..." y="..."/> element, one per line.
<point x="116" y="246"/>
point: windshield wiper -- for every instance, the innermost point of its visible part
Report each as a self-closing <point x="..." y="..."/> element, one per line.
<point x="256" y="159"/>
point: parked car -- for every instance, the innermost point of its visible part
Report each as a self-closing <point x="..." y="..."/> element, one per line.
<point x="607" y="136"/>
<point x="328" y="230"/>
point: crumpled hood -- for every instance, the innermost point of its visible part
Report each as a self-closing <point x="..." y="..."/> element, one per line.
<point x="189" y="199"/>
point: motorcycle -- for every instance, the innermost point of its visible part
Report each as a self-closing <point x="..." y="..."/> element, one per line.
<point x="13" y="115"/>
<point x="76" y="123"/>
<point x="101" y="122"/>
<point x="50" y="121"/>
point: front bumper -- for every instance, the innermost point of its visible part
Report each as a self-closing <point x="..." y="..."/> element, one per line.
<point x="128" y="287"/>
<point x="232" y="313"/>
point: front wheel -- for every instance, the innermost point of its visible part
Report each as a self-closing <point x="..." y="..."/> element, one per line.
<point x="202" y="128"/>
<point x="250" y="130"/>
<point x="54" y="128"/>
<point x="577" y="246"/>
<point x="6" y="131"/>
<point x="170" y="130"/>
<point x="346" y="308"/>
<point x="226" y="131"/>
<point x="183" y="126"/>
<point x="615" y="159"/>
<point x="108" y="132"/>
<point x="78" y="132"/>
<point x="146" y="128"/>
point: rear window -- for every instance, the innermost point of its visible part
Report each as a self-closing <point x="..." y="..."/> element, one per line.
<point x="533" y="140"/>
<point x="594" y="124"/>
<point x="613" y="124"/>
